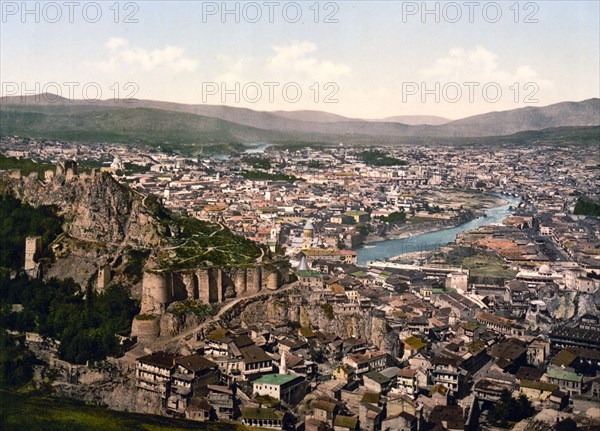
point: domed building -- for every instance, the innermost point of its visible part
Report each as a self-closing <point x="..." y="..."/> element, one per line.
<point x="308" y="230"/>
<point x="545" y="270"/>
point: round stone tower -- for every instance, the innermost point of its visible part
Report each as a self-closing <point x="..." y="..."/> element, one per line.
<point x="240" y="281"/>
<point x="155" y="296"/>
<point x="272" y="278"/>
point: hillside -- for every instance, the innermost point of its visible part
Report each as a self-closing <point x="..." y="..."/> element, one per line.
<point x="107" y="223"/>
<point x="415" y="120"/>
<point x="193" y="126"/>
<point x="38" y="412"/>
<point x="131" y="126"/>
<point x="586" y="113"/>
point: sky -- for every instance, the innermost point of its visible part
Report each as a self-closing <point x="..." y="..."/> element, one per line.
<point x="361" y="59"/>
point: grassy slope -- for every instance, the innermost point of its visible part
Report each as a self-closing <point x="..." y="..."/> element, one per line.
<point x="203" y="242"/>
<point x="20" y="412"/>
<point x="131" y="126"/>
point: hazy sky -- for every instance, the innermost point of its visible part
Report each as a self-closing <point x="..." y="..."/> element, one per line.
<point x="354" y="58"/>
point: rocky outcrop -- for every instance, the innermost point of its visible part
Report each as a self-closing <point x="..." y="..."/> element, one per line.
<point x="172" y="323"/>
<point x="572" y="304"/>
<point x="300" y="310"/>
<point x="96" y="207"/>
<point x="110" y="388"/>
<point x="562" y="307"/>
<point x="146" y="328"/>
<point x="102" y="217"/>
<point x="588" y="303"/>
<point x="104" y="220"/>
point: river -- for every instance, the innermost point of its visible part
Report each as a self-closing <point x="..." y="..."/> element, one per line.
<point x="255" y="148"/>
<point x="388" y="248"/>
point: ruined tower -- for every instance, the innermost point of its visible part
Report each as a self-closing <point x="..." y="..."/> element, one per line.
<point x="68" y="168"/>
<point x="33" y="248"/>
<point x="155" y="296"/>
<point x="103" y="278"/>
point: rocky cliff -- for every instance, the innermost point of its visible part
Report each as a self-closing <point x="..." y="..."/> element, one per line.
<point x="562" y="307"/>
<point x="108" y="223"/>
<point x="303" y="311"/>
<point x="102" y="219"/>
<point x="96" y="206"/>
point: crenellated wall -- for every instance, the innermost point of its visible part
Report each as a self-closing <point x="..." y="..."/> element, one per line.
<point x="210" y="285"/>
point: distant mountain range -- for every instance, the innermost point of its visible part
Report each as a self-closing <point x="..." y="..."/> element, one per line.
<point x="156" y="122"/>
<point x="416" y="120"/>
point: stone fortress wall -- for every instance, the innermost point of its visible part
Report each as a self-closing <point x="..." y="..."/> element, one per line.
<point x="160" y="288"/>
<point x="209" y="285"/>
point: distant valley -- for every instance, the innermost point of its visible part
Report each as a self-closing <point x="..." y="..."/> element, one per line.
<point x="197" y="128"/>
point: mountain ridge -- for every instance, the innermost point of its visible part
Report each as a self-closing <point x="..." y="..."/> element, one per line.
<point x="213" y="124"/>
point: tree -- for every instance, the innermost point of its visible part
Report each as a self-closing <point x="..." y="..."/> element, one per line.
<point x="586" y="207"/>
<point x="524" y="406"/>
<point x="394" y="217"/>
<point x="86" y="325"/>
<point x="16" y="361"/>
<point x="510" y="409"/>
<point x="18" y="221"/>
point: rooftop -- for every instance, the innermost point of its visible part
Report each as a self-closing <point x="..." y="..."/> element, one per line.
<point x="276" y="379"/>
<point x="371" y="397"/>
<point x="159" y="359"/>
<point x="254" y="353"/>
<point x="258" y="413"/>
<point x="560" y="374"/>
<point x="564" y="358"/>
<point x="540" y="386"/>
<point x="345" y="422"/>
<point x="414" y="343"/>
<point x="324" y="405"/>
<point x="195" y="363"/>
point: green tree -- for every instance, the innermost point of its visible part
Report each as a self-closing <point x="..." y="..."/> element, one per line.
<point x="18" y="221"/>
<point x="510" y="409"/>
<point x="86" y="325"/>
<point x="16" y="361"/>
<point x="394" y="217"/>
<point x="379" y="158"/>
<point x="587" y="207"/>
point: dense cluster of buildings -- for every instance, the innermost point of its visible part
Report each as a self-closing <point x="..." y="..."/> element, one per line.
<point x="446" y="340"/>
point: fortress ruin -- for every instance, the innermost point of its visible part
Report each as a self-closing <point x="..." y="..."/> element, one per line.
<point x="33" y="249"/>
<point x="209" y="285"/>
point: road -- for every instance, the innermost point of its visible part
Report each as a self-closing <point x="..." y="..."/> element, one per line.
<point x="226" y="307"/>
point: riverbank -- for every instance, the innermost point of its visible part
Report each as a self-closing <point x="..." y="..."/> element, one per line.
<point x="432" y="236"/>
<point x="409" y="230"/>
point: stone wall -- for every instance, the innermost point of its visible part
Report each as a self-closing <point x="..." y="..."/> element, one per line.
<point x="209" y="285"/>
<point x="145" y="329"/>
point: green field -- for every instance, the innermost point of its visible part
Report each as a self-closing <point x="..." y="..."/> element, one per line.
<point x="30" y="412"/>
<point x="485" y="265"/>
